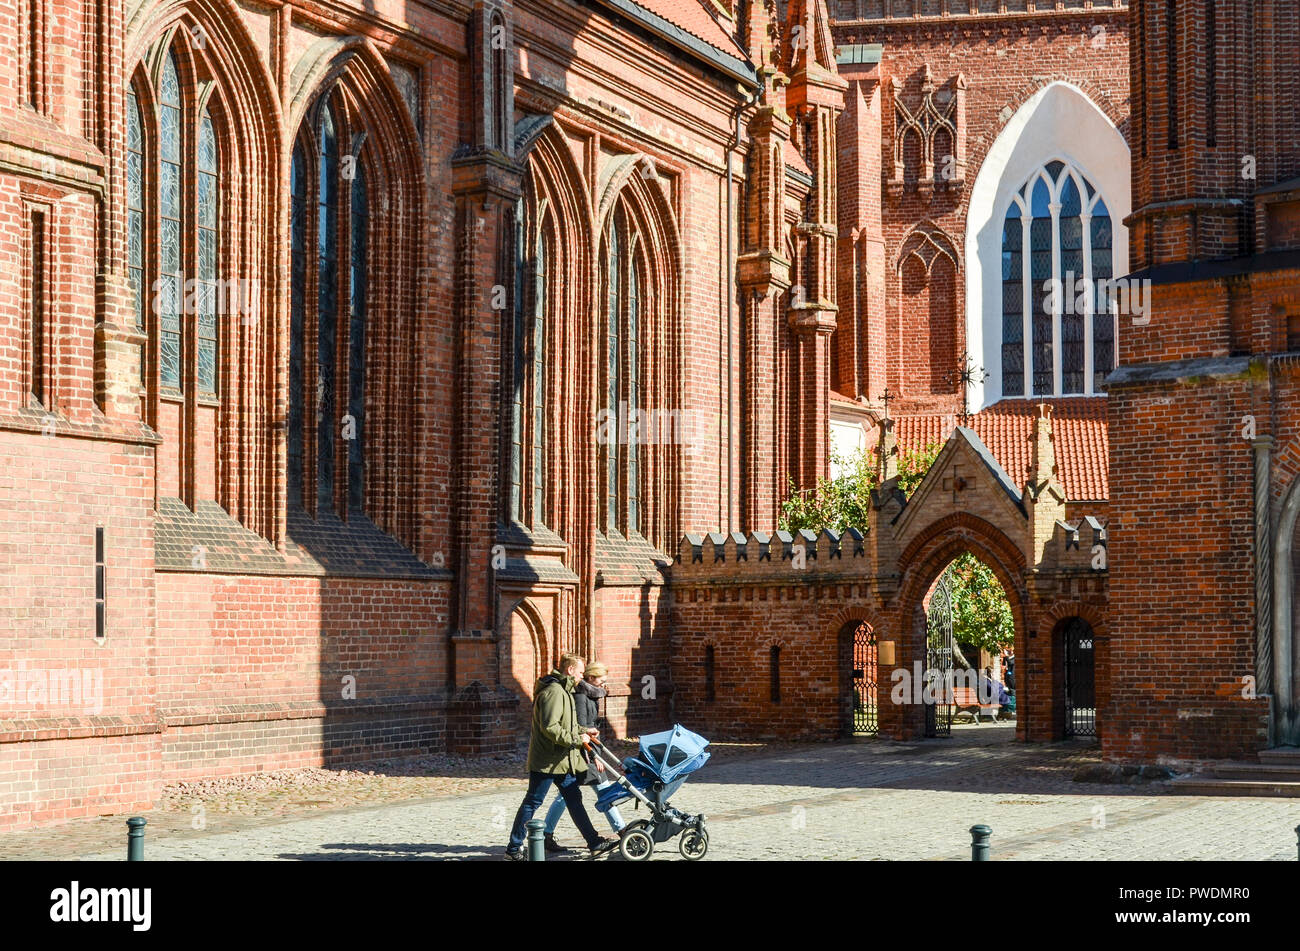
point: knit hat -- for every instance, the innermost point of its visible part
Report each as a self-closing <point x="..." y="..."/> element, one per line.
<point x="595" y="669"/>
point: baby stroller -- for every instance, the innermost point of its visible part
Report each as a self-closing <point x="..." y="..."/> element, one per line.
<point x="651" y="777"/>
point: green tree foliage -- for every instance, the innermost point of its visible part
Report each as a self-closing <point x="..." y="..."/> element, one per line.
<point x="981" y="611"/>
<point x="843" y="502"/>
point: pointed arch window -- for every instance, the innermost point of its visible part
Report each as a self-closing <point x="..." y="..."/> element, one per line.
<point x="1057" y="232"/>
<point x="354" y="428"/>
<point x="623" y="269"/>
<point x="329" y="223"/>
<point x="206" y="271"/>
<point x="327" y="278"/>
<point x="170" y="226"/>
<point x="500" y="119"/>
<point x="183" y="185"/>
<point x="135" y="227"/>
<point x="538" y="380"/>
<point x="534" y="244"/>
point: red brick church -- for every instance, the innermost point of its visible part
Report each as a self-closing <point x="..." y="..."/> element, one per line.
<point x="355" y="360"/>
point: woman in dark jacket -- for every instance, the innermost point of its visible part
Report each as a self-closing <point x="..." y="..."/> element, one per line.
<point x="587" y="695"/>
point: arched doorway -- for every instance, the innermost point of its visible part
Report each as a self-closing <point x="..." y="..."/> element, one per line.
<point x="956" y="563"/>
<point x="860" y="683"/>
<point x="940" y="649"/>
<point x="1079" y="690"/>
<point x="524" y="657"/>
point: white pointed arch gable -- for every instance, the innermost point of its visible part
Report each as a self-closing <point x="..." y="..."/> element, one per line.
<point x="1058" y="123"/>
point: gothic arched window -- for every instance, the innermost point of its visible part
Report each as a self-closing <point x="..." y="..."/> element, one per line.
<point x="538" y="381"/>
<point x="500" y="119"/>
<point x="622" y="267"/>
<point x="533" y="244"/>
<point x="206" y="270"/>
<point x="329" y="224"/>
<point x="1058" y="328"/>
<point x="357" y="341"/>
<point x="186" y="228"/>
<point x="171" y="292"/>
<point x="135" y="229"/>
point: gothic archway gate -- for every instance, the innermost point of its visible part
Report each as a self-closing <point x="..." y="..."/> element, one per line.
<point x="1080" y="678"/>
<point x="939" y="658"/>
<point x="814" y="589"/>
<point x="864" y="682"/>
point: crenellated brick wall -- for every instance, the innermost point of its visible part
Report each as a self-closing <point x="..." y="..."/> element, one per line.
<point x="736" y="596"/>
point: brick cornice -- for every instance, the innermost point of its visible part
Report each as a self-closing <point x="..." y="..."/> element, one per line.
<point x="1004" y="24"/>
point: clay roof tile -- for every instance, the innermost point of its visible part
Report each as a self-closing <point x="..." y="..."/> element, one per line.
<point x="1079" y="427"/>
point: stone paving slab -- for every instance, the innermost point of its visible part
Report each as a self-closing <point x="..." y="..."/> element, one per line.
<point x="872" y="800"/>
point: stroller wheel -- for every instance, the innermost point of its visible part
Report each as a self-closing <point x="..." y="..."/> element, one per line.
<point x="693" y="845"/>
<point x="636" y="844"/>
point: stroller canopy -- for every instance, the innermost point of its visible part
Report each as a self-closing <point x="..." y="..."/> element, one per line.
<point x="674" y="753"/>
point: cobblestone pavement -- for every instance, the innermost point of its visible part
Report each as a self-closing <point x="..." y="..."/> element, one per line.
<point x="867" y="800"/>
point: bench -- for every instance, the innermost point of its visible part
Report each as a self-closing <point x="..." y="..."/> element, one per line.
<point x="966" y="700"/>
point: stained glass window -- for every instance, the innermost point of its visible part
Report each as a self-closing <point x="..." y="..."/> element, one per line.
<point x="329" y="234"/>
<point x="1072" y="273"/>
<point x="297" y="314"/>
<point x="327" y="211"/>
<point x="613" y="368"/>
<point x="169" y="298"/>
<point x="517" y="370"/>
<point x="1062" y="274"/>
<point x="208" y="305"/>
<point x="539" y="379"/>
<point x="528" y="413"/>
<point x="624" y="263"/>
<point x="1040" y="263"/>
<point x="1104" y="319"/>
<point x="631" y="338"/>
<point x="357" y="342"/>
<point x="1013" y="307"/>
<point x="135" y="208"/>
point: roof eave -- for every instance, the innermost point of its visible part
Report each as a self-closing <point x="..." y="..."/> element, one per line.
<point x="732" y="66"/>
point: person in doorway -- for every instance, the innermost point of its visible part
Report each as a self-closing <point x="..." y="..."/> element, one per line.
<point x="555" y="756"/>
<point x="586" y="700"/>
<point x="990" y="690"/>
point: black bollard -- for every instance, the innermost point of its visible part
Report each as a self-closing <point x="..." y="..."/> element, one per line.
<point x="536" y="840"/>
<point x="1297" y="841"/>
<point x="135" y="839"/>
<point x="979" y="843"/>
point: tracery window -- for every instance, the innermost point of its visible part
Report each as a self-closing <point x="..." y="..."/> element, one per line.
<point x="184" y="185"/>
<point x="623" y="271"/>
<point x="329" y="226"/>
<point x="1057" y="234"/>
<point x="135" y="208"/>
<point x="171" y="290"/>
<point x="533" y="246"/>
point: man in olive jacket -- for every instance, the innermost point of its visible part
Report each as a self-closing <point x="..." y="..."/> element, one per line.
<point x="555" y="756"/>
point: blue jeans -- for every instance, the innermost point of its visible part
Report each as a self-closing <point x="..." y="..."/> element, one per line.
<point x="570" y="789"/>
<point x="557" y="809"/>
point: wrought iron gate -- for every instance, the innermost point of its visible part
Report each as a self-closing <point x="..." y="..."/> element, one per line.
<point x="1080" y="679"/>
<point x="938" y="655"/>
<point x="865" y="719"/>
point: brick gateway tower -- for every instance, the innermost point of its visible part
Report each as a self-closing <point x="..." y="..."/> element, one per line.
<point x="1205" y="408"/>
